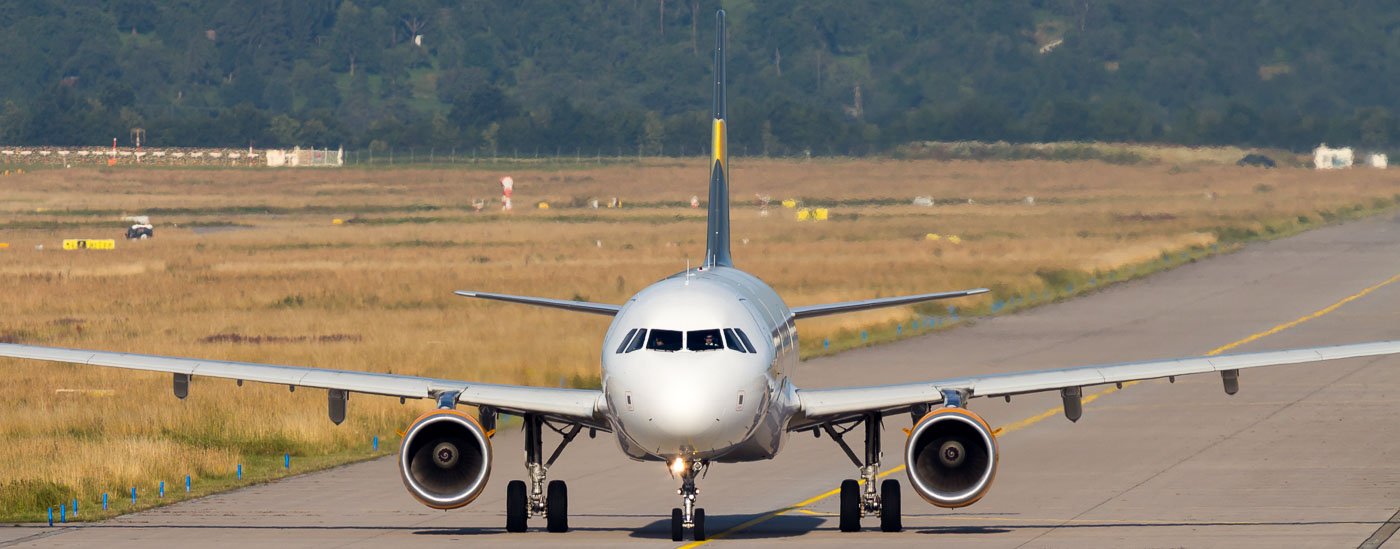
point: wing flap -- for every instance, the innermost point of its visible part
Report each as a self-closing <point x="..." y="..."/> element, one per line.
<point x="809" y="311"/>
<point x="577" y="404"/>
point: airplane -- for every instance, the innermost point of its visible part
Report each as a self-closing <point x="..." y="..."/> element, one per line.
<point x="696" y="370"/>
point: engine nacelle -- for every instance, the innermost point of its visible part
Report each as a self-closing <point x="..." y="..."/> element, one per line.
<point x="951" y="457"/>
<point x="445" y="459"/>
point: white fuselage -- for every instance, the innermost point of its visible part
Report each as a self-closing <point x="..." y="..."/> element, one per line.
<point x="710" y="379"/>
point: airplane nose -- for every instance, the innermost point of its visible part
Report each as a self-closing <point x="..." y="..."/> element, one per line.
<point x="687" y="410"/>
<point x="691" y="414"/>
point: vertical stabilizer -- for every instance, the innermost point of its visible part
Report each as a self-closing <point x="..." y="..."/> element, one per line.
<point x="717" y="238"/>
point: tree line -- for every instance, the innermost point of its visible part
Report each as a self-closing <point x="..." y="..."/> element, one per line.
<point x="806" y="77"/>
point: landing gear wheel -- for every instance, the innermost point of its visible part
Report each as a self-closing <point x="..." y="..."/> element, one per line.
<point x="698" y="532"/>
<point x="677" y="525"/>
<point x="890" y="520"/>
<point x="557" y="507"/>
<point x="515" y="506"/>
<point x="850" y="506"/>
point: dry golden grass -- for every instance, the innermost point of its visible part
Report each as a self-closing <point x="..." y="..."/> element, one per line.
<point x="381" y="286"/>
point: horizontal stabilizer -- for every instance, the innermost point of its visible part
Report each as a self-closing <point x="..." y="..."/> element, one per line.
<point x="824" y="309"/>
<point x="580" y="306"/>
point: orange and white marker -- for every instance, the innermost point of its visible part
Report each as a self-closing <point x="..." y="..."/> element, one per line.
<point x="507" y="184"/>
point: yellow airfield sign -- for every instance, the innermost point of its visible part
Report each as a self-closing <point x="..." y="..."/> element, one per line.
<point x="89" y="244"/>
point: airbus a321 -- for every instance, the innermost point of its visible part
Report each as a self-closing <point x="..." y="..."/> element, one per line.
<point x="695" y="371"/>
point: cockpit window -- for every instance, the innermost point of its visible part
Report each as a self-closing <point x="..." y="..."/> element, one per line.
<point x="637" y="341"/>
<point x="664" y="340"/>
<point x="745" y="338"/>
<point x="733" y="341"/>
<point x="625" y="340"/>
<point x="703" y="340"/>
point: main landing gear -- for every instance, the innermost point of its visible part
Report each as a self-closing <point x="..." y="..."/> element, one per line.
<point x="687" y="515"/>
<point x="551" y="501"/>
<point x="859" y="498"/>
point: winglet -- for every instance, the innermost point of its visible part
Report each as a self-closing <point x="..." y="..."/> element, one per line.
<point x="717" y="235"/>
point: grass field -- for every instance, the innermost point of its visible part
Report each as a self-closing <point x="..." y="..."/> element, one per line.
<point x="247" y="265"/>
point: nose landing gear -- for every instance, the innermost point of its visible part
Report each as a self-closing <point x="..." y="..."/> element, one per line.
<point x="687" y="515"/>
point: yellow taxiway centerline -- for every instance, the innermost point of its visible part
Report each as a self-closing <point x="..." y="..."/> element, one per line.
<point x="1022" y="424"/>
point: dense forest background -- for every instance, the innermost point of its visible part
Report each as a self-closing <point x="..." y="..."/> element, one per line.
<point x="631" y="76"/>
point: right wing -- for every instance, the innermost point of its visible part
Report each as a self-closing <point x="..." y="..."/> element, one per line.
<point x="579" y="306"/>
<point x="809" y="311"/>
<point x="822" y="405"/>
<point x="574" y="405"/>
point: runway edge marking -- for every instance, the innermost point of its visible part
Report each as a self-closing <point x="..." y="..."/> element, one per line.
<point x="40" y="535"/>
<point x="1022" y="424"/>
<point x="1383" y="533"/>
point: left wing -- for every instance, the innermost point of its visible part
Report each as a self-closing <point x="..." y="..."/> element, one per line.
<point x="822" y="405"/>
<point x="574" y="405"/>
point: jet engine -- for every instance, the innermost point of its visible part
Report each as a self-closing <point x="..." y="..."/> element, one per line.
<point x="951" y="457"/>
<point x="445" y="459"/>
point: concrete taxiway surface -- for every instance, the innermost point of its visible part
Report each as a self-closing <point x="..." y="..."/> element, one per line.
<point x="1303" y="456"/>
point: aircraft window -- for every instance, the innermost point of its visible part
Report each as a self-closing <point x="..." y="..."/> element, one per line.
<point x="664" y="340"/>
<point x="625" y="340"/>
<point x="703" y="340"/>
<point x="745" y="338"/>
<point x="733" y="341"/>
<point x="637" y="341"/>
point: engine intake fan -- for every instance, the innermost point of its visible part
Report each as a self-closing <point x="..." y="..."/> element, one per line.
<point x="445" y="459"/>
<point x="951" y="457"/>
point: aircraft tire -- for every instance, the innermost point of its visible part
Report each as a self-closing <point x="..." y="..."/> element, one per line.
<point x="677" y="525"/>
<point x="557" y="507"/>
<point x="515" y="506"/>
<point x="850" y="506"/>
<point x="698" y="532"/>
<point x="890" y="519"/>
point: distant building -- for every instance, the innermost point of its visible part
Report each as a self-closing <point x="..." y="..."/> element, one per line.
<point x="299" y="157"/>
<point x="1377" y="160"/>
<point x="1327" y="159"/>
